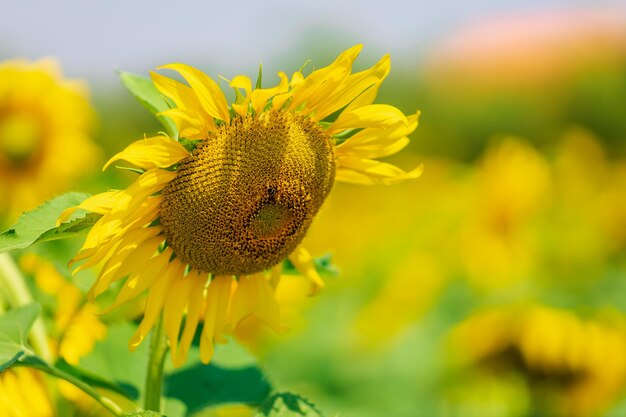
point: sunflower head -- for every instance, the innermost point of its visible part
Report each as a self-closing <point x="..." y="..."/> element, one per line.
<point x="244" y="199"/>
<point x="45" y="123"/>
<point x="206" y="225"/>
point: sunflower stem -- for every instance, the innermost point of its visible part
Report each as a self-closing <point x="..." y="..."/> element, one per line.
<point x="14" y="285"/>
<point x="154" y="377"/>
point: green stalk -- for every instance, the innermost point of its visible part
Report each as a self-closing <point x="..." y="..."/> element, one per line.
<point x="154" y="377"/>
<point x="107" y="403"/>
<point x="14" y="285"/>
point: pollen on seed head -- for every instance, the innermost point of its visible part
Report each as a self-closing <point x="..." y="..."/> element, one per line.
<point x="246" y="197"/>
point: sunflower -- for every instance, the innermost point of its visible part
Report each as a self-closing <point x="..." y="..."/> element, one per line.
<point x="206" y="225"/>
<point x="23" y="392"/>
<point x="44" y="134"/>
<point x="560" y="356"/>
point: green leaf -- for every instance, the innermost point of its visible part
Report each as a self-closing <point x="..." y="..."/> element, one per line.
<point x="143" y="414"/>
<point x="96" y="380"/>
<point x="146" y="93"/>
<point x="112" y="360"/>
<point x="39" y="225"/>
<point x="14" y="328"/>
<point x="201" y="386"/>
<point x="286" y="404"/>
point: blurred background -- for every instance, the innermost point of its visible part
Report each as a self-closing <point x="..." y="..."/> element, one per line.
<point x="495" y="285"/>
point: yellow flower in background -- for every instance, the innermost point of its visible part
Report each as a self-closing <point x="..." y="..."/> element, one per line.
<point x="562" y="356"/>
<point x="205" y="227"/>
<point x="512" y="186"/>
<point x="23" y="393"/>
<point x="44" y="134"/>
<point x="409" y="291"/>
<point x="76" y="327"/>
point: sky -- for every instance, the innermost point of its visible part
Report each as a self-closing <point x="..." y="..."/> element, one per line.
<point x="92" y="38"/>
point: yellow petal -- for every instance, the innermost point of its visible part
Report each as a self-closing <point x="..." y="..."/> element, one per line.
<point x="155" y="152"/>
<point x="174" y="309"/>
<point x="244" y="83"/>
<point x="372" y="148"/>
<point x="260" y="96"/>
<point x="189" y="125"/>
<point x="208" y="92"/>
<point x="100" y="203"/>
<point x="142" y="279"/>
<point x="194" y="308"/>
<point x="156" y="299"/>
<point x="352" y="87"/>
<point x="254" y="296"/>
<point x="217" y="304"/>
<point x="368" y="171"/>
<point x="322" y="81"/>
<point x="378" y="143"/>
<point x="381" y="116"/>
<point x="180" y="94"/>
<point x="145" y="185"/>
<point x="105" y="232"/>
<point x="279" y="100"/>
<point x="131" y="257"/>
<point x="303" y="262"/>
<point x="275" y="274"/>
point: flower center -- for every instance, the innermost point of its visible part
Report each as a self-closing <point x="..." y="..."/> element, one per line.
<point x="20" y="136"/>
<point x="246" y="197"/>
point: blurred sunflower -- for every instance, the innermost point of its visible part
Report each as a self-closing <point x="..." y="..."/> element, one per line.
<point x="75" y="328"/>
<point x="44" y="134"/>
<point x="23" y="392"/>
<point x="210" y="219"/>
<point x="556" y="360"/>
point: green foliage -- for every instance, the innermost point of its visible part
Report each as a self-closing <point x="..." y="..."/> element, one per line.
<point x="143" y="414"/>
<point x="146" y="93"/>
<point x="96" y="380"/>
<point x="39" y="225"/>
<point x="14" y="328"/>
<point x="112" y="360"/>
<point x="286" y="404"/>
<point x="201" y="386"/>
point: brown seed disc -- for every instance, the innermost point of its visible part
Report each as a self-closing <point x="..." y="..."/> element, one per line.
<point x="246" y="197"/>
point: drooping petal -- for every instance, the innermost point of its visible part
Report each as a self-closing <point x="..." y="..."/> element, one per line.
<point x="100" y="203"/>
<point x="155" y="152"/>
<point x="141" y="279"/>
<point x="133" y="256"/>
<point x="275" y="275"/>
<point x="380" y="116"/>
<point x="303" y="261"/>
<point x="157" y="295"/>
<point x="115" y="224"/>
<point x="218" y="297"/>
<point x="173" y="311"/>
<point x="208" y="92"/>
<point x="378" y="143"/>
<point x="380" y="148"/>
<point x="147" y="184"/>
<point x="358" y="170"/>
<point x="194" y="309"/>
<point x="254" y="296"/>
